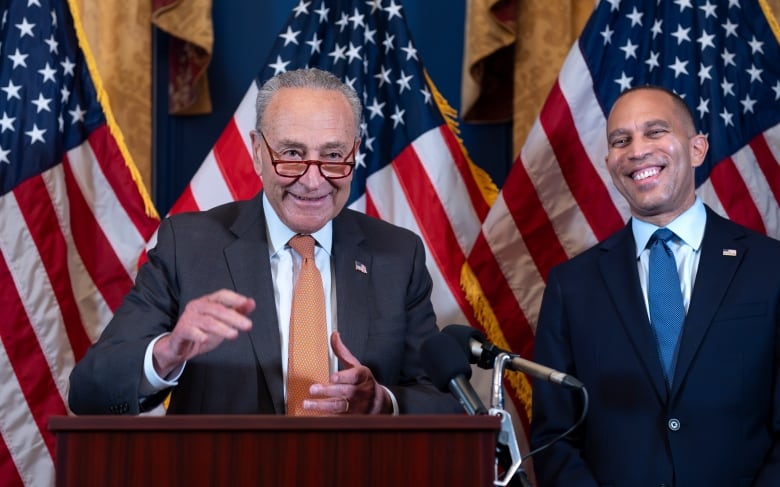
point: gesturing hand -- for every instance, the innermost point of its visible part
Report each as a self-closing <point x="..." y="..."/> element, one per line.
<point x="350" y="391"/>
<point x="205" y="323"/>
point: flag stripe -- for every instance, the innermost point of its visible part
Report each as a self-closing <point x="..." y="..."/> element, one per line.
<point x="471" y="187"/>
<point x="235" y="163"/>
<point x="729" y="188"/>
<point x="768" y="163"/>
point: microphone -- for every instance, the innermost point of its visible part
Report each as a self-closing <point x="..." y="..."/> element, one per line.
<point x="448" y="368"/>
<point x="483" y="353"/>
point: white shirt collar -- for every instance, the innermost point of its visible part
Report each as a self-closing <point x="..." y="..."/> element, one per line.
<point x="279" y="234"/>
<point x="689" y="227"/>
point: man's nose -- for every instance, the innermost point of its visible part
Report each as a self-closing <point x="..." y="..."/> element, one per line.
<point x="312" y="177"/>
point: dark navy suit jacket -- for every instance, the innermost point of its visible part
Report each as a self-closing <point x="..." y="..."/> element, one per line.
<point x="719" y="422"/>
<point x="384" y="315"/>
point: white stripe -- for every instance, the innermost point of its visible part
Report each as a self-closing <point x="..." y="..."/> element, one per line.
<point x="208" y="186"/>
<point x="758" y="187"/>
<point x="111" y="216"/>
<point x="385" y="191"/>
<point x="244" y="117"/>
<point x="20" y="431"/>
<point x="577" y="87"/>
<point x="439" y="165"/>
<point x="514" y="259"/>
<point x="93" y="309"/>
<point x="35" y="291"/>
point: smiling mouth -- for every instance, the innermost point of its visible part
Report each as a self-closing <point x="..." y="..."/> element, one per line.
<point x="307" y="198"/>
<point x="645" y="173"/>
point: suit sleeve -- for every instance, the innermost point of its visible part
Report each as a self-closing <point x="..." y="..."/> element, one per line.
<point x="556" y="409"/>
<point x="769" y="475"/>
<point x="108" y="378"/>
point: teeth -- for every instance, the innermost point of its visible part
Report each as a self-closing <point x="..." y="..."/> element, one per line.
<point x="645" y="173"/>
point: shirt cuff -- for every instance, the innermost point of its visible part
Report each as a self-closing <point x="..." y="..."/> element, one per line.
<point x="152" y="382"/>
<point x="392" y="399"/>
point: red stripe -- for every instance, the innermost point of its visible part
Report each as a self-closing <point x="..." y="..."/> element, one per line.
<point x="481" y="206"/>
<point x="235" y="163"/>
<point x="370" y="206"/>
<point x="768" y="164"/>
<point x="433" y="222"/>
<point x="100" y="260"/>
<point x="530" y="217"/>
<point x="514" y="324"/>
<point x="734" y="195"/>
<point x="8" y="471"/>
<point x="26" y="357"/>
<point x="584" y="182"/>
<point x="114" y="169"/>
<point x="186" y="202"/>
<point x="41" y="220"/>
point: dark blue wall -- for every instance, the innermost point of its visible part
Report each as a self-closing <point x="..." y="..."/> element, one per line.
<point x="244" y="32"/>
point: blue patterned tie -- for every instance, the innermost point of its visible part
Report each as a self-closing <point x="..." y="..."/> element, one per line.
<point x="667" y="311"/>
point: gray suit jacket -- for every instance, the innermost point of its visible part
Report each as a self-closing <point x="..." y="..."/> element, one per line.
<point x="384" y="315"/>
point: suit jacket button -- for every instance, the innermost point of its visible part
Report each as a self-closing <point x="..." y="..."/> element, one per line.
<point x="674" y="424"/>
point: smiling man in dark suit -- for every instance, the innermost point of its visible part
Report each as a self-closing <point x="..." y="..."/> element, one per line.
<point x="700" y="407"/>
<point x="208" y="319"/>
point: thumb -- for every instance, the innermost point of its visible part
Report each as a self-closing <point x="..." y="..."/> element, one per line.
<point x="342" y="352"/>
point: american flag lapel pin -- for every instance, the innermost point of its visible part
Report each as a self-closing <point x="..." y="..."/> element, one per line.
<point x="730" y="252"/>
<point x="360" y="267"/>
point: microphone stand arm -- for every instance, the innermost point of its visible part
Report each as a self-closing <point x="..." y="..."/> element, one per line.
<point x="507" y="451"/>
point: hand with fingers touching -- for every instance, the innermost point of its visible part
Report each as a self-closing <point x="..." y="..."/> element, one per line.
<point x="352" y="390"/>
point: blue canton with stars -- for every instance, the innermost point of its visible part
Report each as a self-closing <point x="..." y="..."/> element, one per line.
<point x="368" y="45"/>
<point x="48" y="102"/>
<point x="720" y="56"/>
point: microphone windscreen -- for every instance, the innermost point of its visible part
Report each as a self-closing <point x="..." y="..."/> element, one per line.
<point x="463" y="335"/>
<point x="443" y="360"/>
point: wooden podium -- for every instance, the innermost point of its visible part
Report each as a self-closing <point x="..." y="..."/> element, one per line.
<point x="275" y="451"/>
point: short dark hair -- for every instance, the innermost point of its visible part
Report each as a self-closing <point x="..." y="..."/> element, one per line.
<point x="679" y="101"/>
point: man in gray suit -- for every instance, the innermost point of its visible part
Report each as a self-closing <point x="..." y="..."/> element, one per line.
<point x="701" y="408"/>
<point x="208" y="318"/>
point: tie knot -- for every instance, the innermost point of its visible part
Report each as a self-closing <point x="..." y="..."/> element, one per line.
<point x="304" y="245"/>
<point x="662" y="234"/>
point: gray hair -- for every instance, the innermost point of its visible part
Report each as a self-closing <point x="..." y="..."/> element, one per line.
<point x="307" y="78"/>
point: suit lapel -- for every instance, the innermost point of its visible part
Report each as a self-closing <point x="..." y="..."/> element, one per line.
<point x="250" y="268"/>
<point x="626" y="293"/>
<point x="352" y="267"/>
<point x="721" y="254"/>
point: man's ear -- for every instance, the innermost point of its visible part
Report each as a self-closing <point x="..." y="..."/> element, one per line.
<point x="699" y="145"/>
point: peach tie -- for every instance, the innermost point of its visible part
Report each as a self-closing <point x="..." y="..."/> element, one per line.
<point x="307" y="361"/>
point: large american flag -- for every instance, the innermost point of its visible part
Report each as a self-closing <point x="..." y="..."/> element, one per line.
<point x="411" y="169"/>
<point x="73" y="220"/>
<point x="721" y="56"/>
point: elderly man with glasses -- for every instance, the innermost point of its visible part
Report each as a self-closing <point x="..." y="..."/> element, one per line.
<point x="210" y="318"/>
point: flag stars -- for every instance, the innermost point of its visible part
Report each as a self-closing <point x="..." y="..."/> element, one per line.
<point x="728" y="58"/>
<point x="18" y="59"/>
<point x="679" y="67"/>
<point x="727" y="118"/>
<point x="383" y="76"/>
<point x="388" y="43"/>
<point x="12" y="91"/>
<point x="279" y="66"/>
<point x="41" y="103"/>
<point x="681" y="34"/>
<point x="368" y="36"/>
<point x="614" y="5"/>
<point x="727" y="88"/>
<point x="704" y="73"/>
<point x="657" y="29"/>
<point x="756" y="46"/>
<point x="411" y="52"/>
<point x="67" y="66"/>
<point x="77" y="114"/>
<point x="290" y="36"/>
<point x="7" y="123"/>
<point x="747" y="104"/>
<point x="25" y="28"/>
<point x="48" y="73"/>
<point x="624" y="81"/>
<point x="776" y="89"/>
<point x="730" y="28"/>
<point x="315" y="43"/>
<point x="426" y="93"/>
<point x="398" y="116"/>
<point x="343" y="22"/>
<point x="375" y="109"/>
<point x="322" y="13"/>
<point x="636" y="17"/>
<point x="755" y="73"/>
<point x="703" y="107"/>
<point x="354" y="52"/>
<point x="53" y="44"/>
<point x="403" y="82"/>
<point x="393" y="10"/>
<point x="4" y="155"/>
<point x="302" y="8"/>
<point x="629" y="49"/>
<point x="607" y="35"/>
<point x="652" y="61"/>
<point x="709" y="10"/>
<point x="357" y="19"/>
<point x="683" y="4"/>
<point x="705" y="40"/>
<point x="337" y="53"/>
<point x="36" y="134"/>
